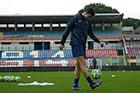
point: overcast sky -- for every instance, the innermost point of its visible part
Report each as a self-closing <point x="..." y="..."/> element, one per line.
<point x="130" y="8"/>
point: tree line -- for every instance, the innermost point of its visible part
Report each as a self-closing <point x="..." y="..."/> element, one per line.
<point x="102" y="8"/>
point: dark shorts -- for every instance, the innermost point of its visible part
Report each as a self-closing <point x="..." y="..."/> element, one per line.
<point x="78" y="51"/>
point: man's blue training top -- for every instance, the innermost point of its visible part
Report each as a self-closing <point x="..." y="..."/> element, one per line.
<point x="79" y="28"/>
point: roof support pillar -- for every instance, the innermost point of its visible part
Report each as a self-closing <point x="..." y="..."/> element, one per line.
<point x="33" y="26"/>
<point x="103" y="27"/>
<point x="50" y="26"/>
<point x="15" y="29"/>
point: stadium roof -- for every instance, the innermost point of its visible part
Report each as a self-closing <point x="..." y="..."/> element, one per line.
<point x="137" y="30"/>
<point x="99" y="18"/>
<point x="128" y="29"/>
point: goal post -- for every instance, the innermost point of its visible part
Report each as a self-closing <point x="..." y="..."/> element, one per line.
<point x="90" y="64"/>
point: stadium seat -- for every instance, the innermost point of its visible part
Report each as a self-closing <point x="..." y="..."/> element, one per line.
<point x="43" y="58"/>
<point x="133" y="51"/>
<point x="101" y="52"/>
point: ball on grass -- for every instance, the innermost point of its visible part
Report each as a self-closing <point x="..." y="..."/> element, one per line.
<point x="17" y="79"/>
<point x="1" y="78"/>
<point x="113" y="76"/>
<point x="96" y="73"/>
<point x="29" y="77"/>
<point x="5" y="78"/>
<point x="12" y="78"/>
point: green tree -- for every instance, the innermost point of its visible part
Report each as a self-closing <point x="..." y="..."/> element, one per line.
<point x="131" y="22"/>
<point x="100" y="8"/>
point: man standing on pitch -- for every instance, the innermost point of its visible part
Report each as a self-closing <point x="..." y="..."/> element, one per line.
<point x="80" y="27"/>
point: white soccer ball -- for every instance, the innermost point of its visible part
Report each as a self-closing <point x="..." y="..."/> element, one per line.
<point x="17" y="79"/>
<point x="113" y="75"/>
<point x="28" y="76"/>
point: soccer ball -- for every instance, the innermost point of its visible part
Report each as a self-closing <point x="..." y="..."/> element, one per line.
<point x="12" y="78"/>
<point x="5" y="78"/>
<point x="8" y="78"/>
<point x="1" y="78"/>
<point x="96" y="73"/>
<point x="17" y="79"/>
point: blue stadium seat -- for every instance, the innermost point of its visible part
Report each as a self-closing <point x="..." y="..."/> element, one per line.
<point x="59" y="33"/>
<point x="108" y="32"/>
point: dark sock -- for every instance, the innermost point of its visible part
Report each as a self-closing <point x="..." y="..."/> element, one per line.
<point x="89" y="80"/>
<point x="76" y="81"/>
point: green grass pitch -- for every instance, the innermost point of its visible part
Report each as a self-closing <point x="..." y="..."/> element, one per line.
<point x="123" y="82"/>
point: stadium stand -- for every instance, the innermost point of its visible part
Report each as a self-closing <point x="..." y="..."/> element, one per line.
<point x="101" y="53"/>
<point x="45" y="58"/>
<point x="47" y="54"/>
<point x="56" y="34"/>
<point x="45" y="33"/>
<point x="133" y="51"/>
<point x="59" y="33"/>
<point x="38" y="63"/>
<point x="39" y="52"/>
<point x="108" y="32"/>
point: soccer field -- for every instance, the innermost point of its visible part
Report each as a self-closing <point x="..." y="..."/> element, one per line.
<point x="123" y="82"/>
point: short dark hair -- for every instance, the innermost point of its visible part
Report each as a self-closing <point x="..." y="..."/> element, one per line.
<point x="90" y="11"/>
